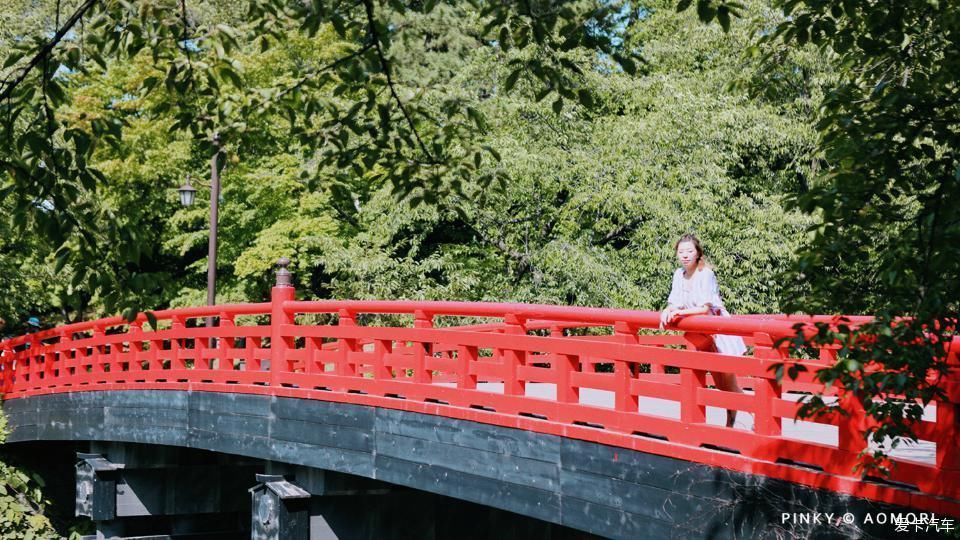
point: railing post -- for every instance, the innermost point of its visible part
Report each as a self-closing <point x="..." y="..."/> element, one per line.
<point x="567" y="391"/>
<point x="282" y="292"/>
<point x="201" y="345"/>
<point x="49" y="360"/>
<point x="65" y="361"/>
<point x="33" y="346"/>
<point x="346" y="346"/>
<point x="422" y="349"/>
<point x="513" y="359"/>
<point x="225" y="345"/>
<point x="7" y="361"/>
<point x="135" y="350"/>
<point x="155" y="356"/>
<point x="765" y="390"/>
<point x="691" y="381"/>
<point x="466" y="357"/>
<point x="564" y="365"/>
<point x="948" y="415"/>
<point x="113" y="359"/>
<point x="96" y="354"/>
<point x="623" y="370"/>
<point x="81" y="354"/>
<point x="77" y="355"/>
<point x="948" y="455"/>
<point x="850" y="433"/>
<point x="381" y="348"/>
<point x="177" y="361"/>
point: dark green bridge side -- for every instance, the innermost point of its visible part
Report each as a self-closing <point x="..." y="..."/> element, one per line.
<point x="607" y="491"/>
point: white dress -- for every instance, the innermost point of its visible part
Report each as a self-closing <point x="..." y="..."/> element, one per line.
<point x="702" y="290"/>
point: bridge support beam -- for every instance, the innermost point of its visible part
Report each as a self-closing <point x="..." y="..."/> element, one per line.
<point x="96" y="481"/>
<point x="280" y="509"/>
<point x="162" y="490"/>
<point x="132" y="490"/>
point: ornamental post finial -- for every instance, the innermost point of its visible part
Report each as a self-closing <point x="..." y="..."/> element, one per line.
<point x="283" y="275"/>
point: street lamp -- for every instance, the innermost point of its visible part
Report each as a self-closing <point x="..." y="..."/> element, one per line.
<point x="187" y="196"/>
<point x="187" y="193"/>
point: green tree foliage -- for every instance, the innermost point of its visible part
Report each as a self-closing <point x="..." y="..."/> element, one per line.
<point x="364" y="124"/>
<point x="21" y="502"/>
<point x="24" y="282"/>
<point x="607" y="169"/>
<point x="596" y="197"/>
<point x="886" y="236"/>
<point x="372" y="142"/>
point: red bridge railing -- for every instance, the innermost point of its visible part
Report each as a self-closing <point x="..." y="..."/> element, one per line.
<point x="585" y="373"/>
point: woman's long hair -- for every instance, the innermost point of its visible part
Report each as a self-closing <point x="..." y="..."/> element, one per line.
<point x="702" y="261"/>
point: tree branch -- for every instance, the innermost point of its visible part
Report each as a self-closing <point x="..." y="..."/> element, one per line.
<point x="385" y="66"/>
<point x="501" y="245"/>
<point x="44" y="52"/>
<point x="618" y="231"/>
<point x="186" y="38"/>
<point x="303" y="80"/>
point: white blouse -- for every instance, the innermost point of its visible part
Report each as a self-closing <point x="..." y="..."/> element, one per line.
<point x="699" y="291"/>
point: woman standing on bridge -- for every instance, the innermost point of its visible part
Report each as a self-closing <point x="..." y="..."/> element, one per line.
<point x="695" y="292"/>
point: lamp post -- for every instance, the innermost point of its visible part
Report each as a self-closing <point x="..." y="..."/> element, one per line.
<point x="187" y="196"/>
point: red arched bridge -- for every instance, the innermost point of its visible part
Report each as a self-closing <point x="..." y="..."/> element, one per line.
<point x="604" y="378"/>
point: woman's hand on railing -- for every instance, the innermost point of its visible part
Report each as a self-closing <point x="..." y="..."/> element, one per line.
<point x="666" y="316"/>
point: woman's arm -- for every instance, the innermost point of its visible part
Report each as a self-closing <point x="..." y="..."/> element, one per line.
<point x="679" y="313"/>
<point x="702" y="310"/>
<point x="667" y="314"/>
<point x="712" y="292"/>
<point x="707" y="295"/>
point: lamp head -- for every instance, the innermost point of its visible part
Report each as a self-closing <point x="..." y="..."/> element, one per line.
<point x="187" y="193"/>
